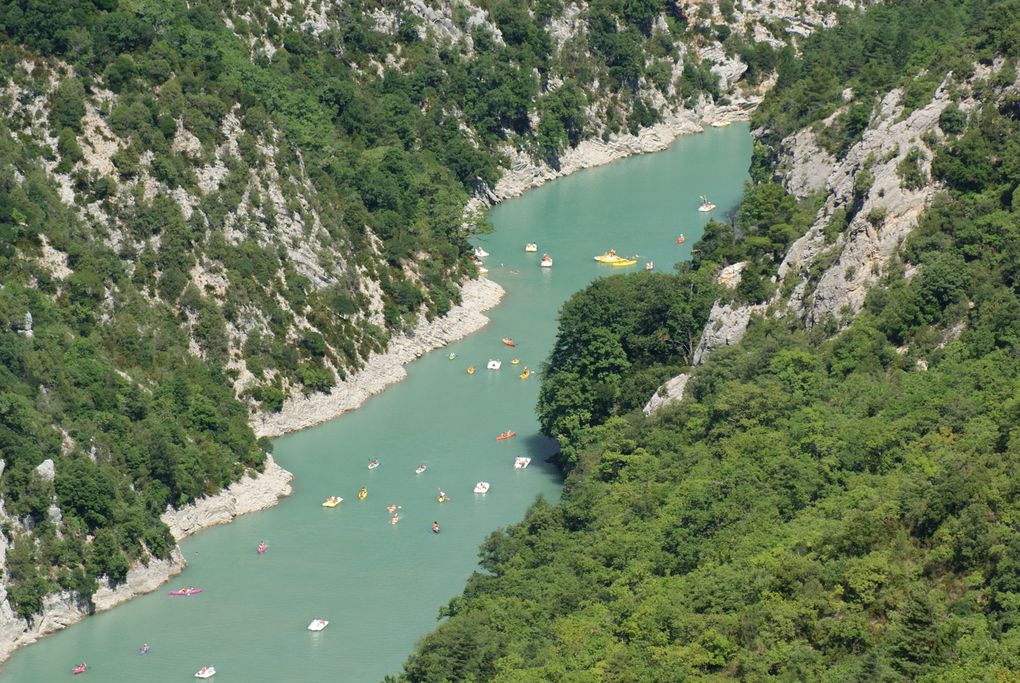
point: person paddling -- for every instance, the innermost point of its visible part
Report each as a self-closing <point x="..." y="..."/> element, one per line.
<point x="435" y="527"/>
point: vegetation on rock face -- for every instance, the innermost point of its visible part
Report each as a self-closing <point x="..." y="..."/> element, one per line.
<point x="825" y="504"/>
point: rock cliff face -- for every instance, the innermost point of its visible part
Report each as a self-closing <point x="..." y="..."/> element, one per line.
<point x="881" y="214"/>
<point x="880" y="188"/>
<point x="672" y="390"/>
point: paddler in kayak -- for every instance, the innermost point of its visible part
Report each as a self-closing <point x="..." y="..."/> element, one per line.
<point x="435" y="527"/>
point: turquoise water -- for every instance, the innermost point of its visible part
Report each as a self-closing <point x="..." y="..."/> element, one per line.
<point x="381" y="585"/>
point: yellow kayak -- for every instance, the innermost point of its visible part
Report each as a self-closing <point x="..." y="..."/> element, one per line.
<point x="471" y="370"/>
<point x="624" y="262"/>
<point x="526" y="373"/>
<point x="362" y="493"/>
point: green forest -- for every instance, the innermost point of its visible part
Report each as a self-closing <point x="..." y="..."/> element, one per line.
<point x="827" y="503"/>
<point x="281" y="193"/>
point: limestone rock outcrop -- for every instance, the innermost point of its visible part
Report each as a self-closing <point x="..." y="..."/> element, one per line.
<point x="249" y="494"/>
<point x="671" y="391"/>
<point x="881" y="215"/>
<point x="65" y="608"/>
<point x="881" y="212"/>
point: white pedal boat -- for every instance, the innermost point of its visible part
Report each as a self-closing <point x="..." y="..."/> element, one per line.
<point x="521" y="462"/>
<point x="482" y="487"/>
<point x="318" y="624"/>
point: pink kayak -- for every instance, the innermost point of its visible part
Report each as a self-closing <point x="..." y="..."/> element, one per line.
<point x="186" y="591"/>
<point x="80" y="669"/>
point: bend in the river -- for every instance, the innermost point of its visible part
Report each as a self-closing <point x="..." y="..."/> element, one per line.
<point x="380" y="584"/>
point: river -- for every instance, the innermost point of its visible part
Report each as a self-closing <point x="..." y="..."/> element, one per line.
<point x="381" y="585"/>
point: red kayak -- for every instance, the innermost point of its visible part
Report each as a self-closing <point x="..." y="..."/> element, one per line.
<point x="186" y="591"/>
<point x="80" y="669"/>
<point x="505" y="435"/>
<point x="509" y="342"/>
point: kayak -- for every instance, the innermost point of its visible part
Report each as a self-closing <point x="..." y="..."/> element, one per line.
<point x="80" y="669"/>
<point x="372" y="465"/>
<point x="471" y="369"/>
<point x="419" y="469"/>
<point x="362" y="494"/>
<point x="186" y="591"/>
<point x="505" y="435"/>
<point x="509" y="342"/>
<point x="526" y="373"/>
<point x="206" y="672"/>
<point x="394" y="519"/>
<point x="261" y="549"/>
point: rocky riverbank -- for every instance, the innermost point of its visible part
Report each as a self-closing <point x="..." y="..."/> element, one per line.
<point x="525" y="174"/>
<point x="384" y="369"/>
<point x="249" y="494"/>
